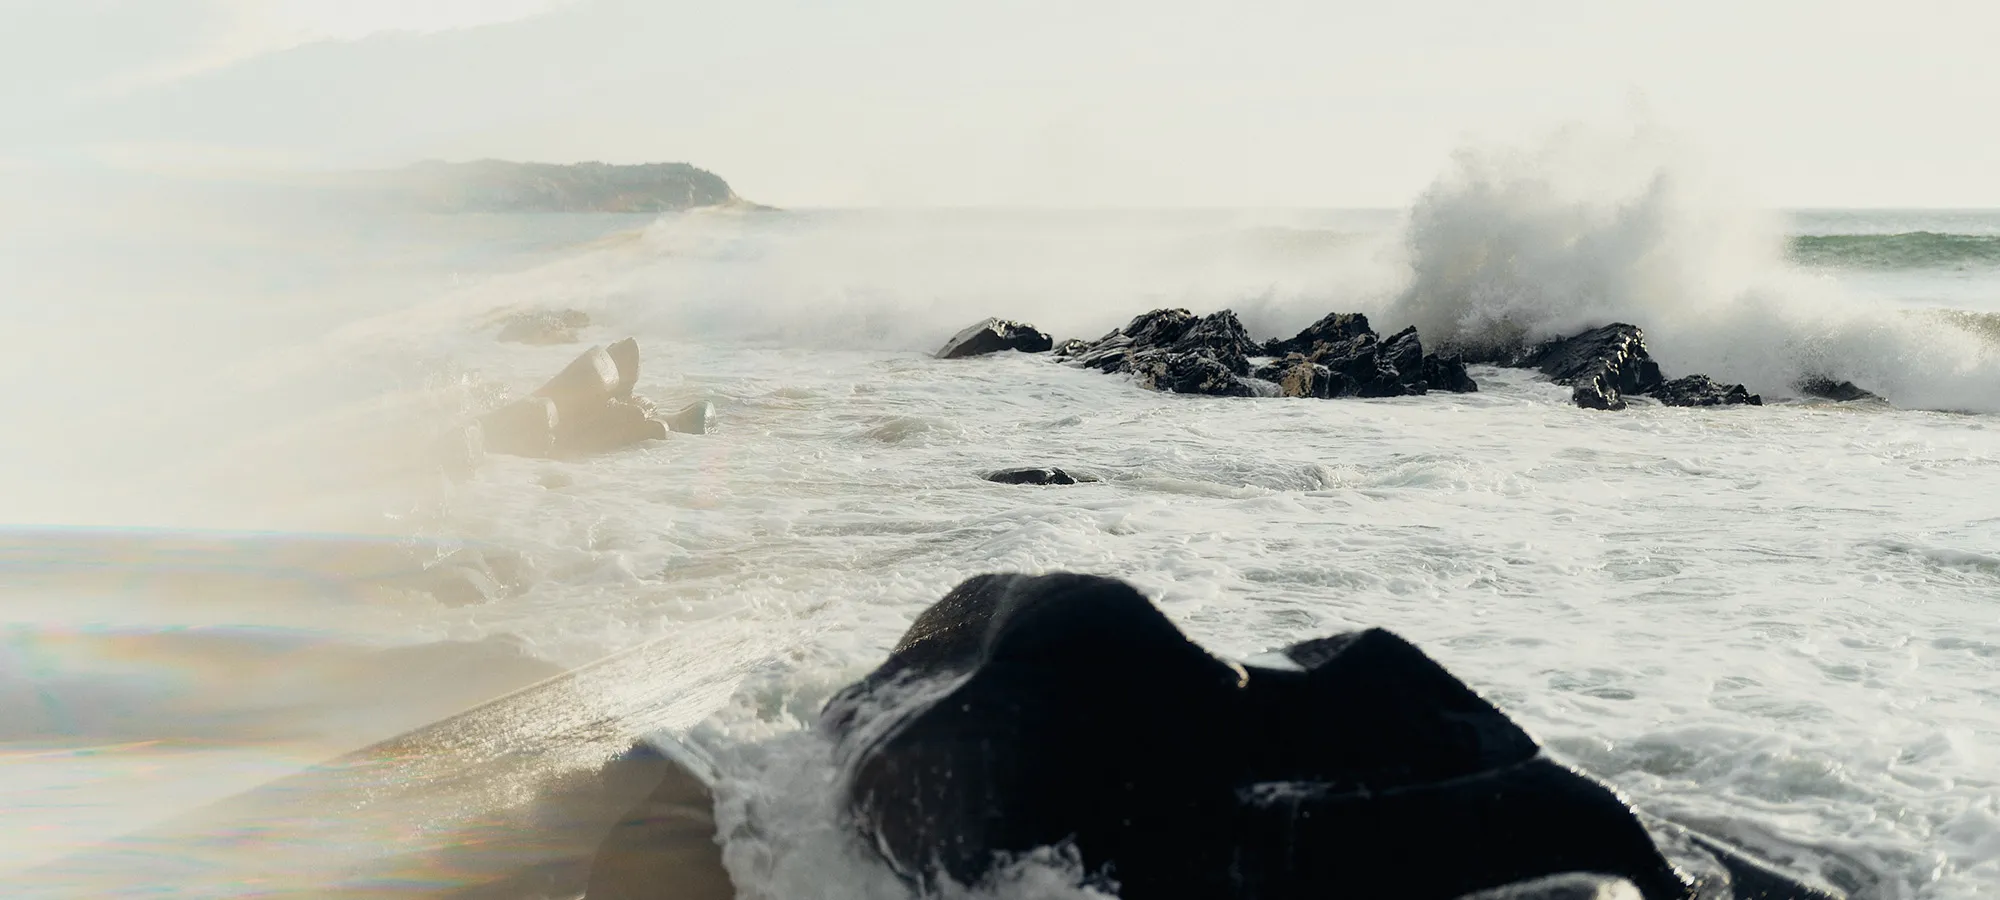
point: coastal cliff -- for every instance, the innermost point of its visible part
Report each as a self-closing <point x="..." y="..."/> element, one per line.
<point x="498" y="186"/>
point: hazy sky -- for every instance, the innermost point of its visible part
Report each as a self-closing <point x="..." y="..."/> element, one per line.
<point x="925" y="102"/>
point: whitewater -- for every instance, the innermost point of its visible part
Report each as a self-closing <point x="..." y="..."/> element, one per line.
<point x="1779" y="624"/>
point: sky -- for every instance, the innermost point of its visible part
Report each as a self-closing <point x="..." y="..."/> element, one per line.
<point x="1029" y="103"/>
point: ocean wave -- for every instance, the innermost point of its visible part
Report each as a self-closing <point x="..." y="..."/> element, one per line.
<point x="1909" y="250"/>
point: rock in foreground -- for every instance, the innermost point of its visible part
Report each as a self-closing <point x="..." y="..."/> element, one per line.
<point x="1701" y="390"/>
<point x="994" y="336"/>
<point x="1022" y="712"/>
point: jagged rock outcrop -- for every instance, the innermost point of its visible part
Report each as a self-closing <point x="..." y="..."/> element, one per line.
<point x="1446" y="372"/>
<point x="1338" y="356"/>
<point x="1039" y="475"/>
<point x="1826" y="388"/>
<point x="544" y="327"/>
<point x="1701" y="390"/>
<point x="589" y="407"/>
<point x="1601" y="365"/>
<point x="1023" y="712"/>
<point x="994" y="336"/>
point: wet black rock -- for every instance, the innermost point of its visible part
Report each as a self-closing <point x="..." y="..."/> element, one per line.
<point x="1601" y="365"/>
<point x="544" y="327"/>
<point x="1828" y="389"/>
<point x="993" y="336"/>
<point x="1187" y="373"/>
<point x="1023" y="712"/>
<point x="1405" y="353"/>
<point x="1173" y="350"/>
<point x="1701" y="390"/>
<point x="1070" y="348"/>
<point x="1332" y="328"/>
<point x="1447" y="373"/>
<point x="1359" y="362"/>
<point x="1039" y="475"/>
<point x="1297" y="376"/>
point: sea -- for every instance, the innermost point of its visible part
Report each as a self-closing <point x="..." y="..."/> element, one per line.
<point x="227" y="411"/>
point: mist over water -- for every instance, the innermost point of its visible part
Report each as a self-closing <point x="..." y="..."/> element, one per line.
<point x="1776" y="622"/>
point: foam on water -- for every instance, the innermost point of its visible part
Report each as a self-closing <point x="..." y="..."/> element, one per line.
<point x="1777" y="623"/>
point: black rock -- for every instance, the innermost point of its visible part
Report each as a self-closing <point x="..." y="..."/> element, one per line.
<point x="1219" y="336"/>
<point x="1159" y="328"/>
<point x="1022" y="712"/>
<point x="544" y="327"/>
<point x="1700" y="390"/>
<point x="1038" y="475"/>
<point x="1332" y="328"/>
<point x="1829" y="389"/>
<point x="993" y="336"/>
<point x="1447" y="373"/>
<point x="1297" y="376"/>
<point x="1186" y="373"/>
<point x="1405" y="353"/>
<point x="1601" y="365"/>
<point x="1070" y="348"/>
<point x="1358" y="361"/>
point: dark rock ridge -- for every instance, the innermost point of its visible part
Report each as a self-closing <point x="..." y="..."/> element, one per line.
<point x="1826" y="388"/>
<point x="1022" y="712"/>
<point x="993" y="336"/>
<point x="544" y="327"/>
<point x="1604" y="365"/>
<point x="1039" y="475"/>
<point x="496" y="186"/>
<point x="1338" y="356"/>
<point x="587" y="408"/>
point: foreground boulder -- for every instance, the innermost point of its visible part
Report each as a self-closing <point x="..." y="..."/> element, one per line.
<point x="994" y="336"/>
<point x="589" y="407"/>
<point x="1023" y="712"/>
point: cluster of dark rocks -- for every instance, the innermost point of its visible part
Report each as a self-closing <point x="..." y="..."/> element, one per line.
<point x="1024" y="712"/>
<point x="1342" y="356"/>
<point x="588" y="407"/>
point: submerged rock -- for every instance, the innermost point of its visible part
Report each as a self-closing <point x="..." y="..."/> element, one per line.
<point x="993" y="336"/>
<point x="544" y="327"/>
<point x="1828" y="389"/>
<point x="1173" y="350"/>
<point x="1601" y="365"/>
<point x="1023" y="712"/>
<point x="1038" y="475"/>
<point x="1701" y="390"/>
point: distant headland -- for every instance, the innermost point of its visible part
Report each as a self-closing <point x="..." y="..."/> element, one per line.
<point x="499" y="186"/>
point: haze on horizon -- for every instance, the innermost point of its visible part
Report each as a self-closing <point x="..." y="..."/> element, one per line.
<point x="907" y="103"/>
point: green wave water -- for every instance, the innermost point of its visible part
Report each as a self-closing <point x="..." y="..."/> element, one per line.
<point x="1909" y="250"/>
